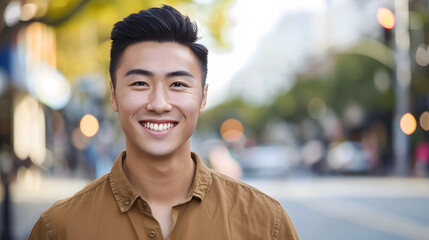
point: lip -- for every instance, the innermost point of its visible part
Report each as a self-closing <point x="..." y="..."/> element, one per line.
<point x="158" y="121"/>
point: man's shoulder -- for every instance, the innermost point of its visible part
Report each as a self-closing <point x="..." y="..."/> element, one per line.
<point x="239" y="189"/>
<point x="247" y="204"/>
<point x="79" y="199"/>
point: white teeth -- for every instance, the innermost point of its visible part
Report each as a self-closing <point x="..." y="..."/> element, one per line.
<point x="158" y="127"/>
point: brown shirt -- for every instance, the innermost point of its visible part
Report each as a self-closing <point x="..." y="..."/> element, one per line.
<point x="217" y="207"/>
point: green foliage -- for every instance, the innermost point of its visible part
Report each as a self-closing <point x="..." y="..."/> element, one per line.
<point x="354" y="80"/>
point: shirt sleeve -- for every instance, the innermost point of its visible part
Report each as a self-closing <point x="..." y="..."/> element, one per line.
<point x="284" y="227"/>
<point x="39" y="231"/>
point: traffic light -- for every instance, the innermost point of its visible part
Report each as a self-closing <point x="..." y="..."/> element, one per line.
<point x="386" y="19"/>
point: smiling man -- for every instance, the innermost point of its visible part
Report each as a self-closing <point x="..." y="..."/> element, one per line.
<point x="158" y="188"/>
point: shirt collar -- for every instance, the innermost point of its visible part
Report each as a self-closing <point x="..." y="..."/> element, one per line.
<point x="202" y="179"/>
<point x="125" y="194"/>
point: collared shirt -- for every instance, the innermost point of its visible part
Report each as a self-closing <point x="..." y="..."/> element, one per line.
<point x="217" y="207"/>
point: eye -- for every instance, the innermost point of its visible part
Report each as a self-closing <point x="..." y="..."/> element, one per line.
<point x="139" y="83"/>
<point x="178" y="84"/>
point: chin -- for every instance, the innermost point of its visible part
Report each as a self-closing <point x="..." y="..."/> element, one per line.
<point x="159" y="154"/>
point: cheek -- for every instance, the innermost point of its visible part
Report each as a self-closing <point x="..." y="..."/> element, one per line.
<point x="188" y="103"/>
<point x="130" y="103"/>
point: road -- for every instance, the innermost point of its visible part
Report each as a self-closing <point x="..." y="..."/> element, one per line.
<point x="354" y="208"/>
<point x="320" y="207"/>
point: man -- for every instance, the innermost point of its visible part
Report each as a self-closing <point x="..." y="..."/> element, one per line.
<point x="157" y="188"/>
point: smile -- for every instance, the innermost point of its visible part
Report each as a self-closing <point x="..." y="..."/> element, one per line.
<point x="158" y="126"/>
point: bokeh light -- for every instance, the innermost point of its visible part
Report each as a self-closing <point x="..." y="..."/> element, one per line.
<point x="78" y="140"/>
<point x="422" y="55"/>
<point x="382" y="80"/>
<point x="29" y="129"/>
<point x="316" y="108"/>
<point x="12" y="13"/>
<point x="89" y="125"/>
<point x="231" y="130"/>
<point x="408" y="123"/>
<point x="28" y="11"/>
<point x="386" y="18"/>
<point x="424" y="120"/>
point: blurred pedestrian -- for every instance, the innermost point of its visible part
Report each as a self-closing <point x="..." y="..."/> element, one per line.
<point x="421" y="156"/>
<point x="157" y="188"/>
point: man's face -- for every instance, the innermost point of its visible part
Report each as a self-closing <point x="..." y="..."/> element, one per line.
<point x="158" y="97"/>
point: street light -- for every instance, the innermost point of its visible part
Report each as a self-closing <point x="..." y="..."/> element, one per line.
<point x="386" y="18"/>
<point x="398" y="23"/>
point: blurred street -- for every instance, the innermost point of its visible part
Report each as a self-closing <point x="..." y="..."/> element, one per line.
<point x="354" y="207"/>
<point x="323" y="105"/>
<point x="321" y="207"/>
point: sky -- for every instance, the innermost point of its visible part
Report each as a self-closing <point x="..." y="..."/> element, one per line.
<point x="251" y="23"/>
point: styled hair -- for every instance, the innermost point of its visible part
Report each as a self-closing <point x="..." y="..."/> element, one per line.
<point x="164" y="24"/>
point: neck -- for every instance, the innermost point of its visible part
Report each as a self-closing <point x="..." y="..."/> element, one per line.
<point x="160" y="180"/>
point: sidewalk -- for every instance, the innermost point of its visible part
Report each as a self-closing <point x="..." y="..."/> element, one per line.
<point x="316" y="187"/>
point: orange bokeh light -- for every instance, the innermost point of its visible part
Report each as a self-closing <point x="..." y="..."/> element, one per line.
<point x="231" y="130"/>
<point x="386" y="18"/>
<point x="89" y="125"/>
<point x="408" y="123"/>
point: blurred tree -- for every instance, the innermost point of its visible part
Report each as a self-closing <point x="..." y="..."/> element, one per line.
<point x="349" y="79"/>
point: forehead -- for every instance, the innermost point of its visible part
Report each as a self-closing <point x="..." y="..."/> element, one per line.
<point x="159" y="58"/>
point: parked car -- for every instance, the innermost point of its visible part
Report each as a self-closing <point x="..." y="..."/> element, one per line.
<point x="348" y="157"/>
<point x="268" y="160"/>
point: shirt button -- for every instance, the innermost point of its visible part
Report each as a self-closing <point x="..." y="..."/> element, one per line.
<point x="127" y="202"/>
<point x="152" y="234"/>
<point x="144" y="205"/>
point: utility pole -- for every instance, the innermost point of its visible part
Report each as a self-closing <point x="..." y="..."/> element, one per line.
<point x="402" y="79"/>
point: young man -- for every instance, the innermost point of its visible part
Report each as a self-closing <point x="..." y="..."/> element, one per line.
<point x="157" y="188"/>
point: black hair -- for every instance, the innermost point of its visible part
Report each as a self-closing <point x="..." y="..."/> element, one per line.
<point x="164" y="24"/>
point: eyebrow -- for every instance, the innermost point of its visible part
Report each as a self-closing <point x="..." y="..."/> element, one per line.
<point x="151" y="74"/>
<point x="140" y="72"/>
<point x="180" y="74"/>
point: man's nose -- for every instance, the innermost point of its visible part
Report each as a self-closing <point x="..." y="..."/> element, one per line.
<point x="159" y="101"/>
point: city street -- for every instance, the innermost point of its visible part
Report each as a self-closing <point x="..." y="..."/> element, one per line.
<point x="321" y="208"/>
<point x="322" y="105"/>
<point x="355" y="208"/>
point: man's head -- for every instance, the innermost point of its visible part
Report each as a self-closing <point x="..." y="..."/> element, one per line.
<point x="158" y="86"/>
<point x="163" y="24"/>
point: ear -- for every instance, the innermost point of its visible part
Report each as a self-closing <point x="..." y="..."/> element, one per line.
<point x="113" y="102"/>
<point x="204" y="99"/>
